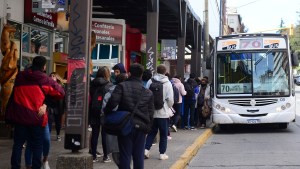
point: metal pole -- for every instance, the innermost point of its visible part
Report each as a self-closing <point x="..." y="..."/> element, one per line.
<point x="206" y="38"/>
<point x="221" y="16"/>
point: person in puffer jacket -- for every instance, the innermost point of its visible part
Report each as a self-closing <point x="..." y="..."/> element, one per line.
<point x="126" y="95"/>
<point x="30" y="90"/>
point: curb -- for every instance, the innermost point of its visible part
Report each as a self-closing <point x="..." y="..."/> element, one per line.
<point x="192" y="150"/>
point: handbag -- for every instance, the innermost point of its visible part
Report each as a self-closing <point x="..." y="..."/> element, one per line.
<point x="119" y="123"/>
<point x="206" y="111"/>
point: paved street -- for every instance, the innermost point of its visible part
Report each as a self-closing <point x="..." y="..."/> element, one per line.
<point x="181" y="140"/>
<point x="252" y="147"/>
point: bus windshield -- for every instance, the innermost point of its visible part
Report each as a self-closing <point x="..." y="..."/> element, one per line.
<point x="253" y="74"/>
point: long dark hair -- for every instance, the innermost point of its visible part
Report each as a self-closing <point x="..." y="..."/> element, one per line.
<point x="103" y="72"/>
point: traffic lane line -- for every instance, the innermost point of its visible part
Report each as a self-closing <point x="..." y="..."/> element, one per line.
<point x="192" y="150"/>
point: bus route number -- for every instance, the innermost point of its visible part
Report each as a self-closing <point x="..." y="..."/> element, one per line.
<point x="231" y="88"/>
<point x="251" y="43"/>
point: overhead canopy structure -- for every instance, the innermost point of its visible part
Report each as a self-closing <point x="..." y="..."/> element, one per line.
<point x="135" y="14"/>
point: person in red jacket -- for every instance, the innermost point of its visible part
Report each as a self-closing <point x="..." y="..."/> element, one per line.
<point x="30" y="89"/>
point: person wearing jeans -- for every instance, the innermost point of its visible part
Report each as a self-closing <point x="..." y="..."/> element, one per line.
<point x="177" y="106"/>
<point x="162" y="125"/>
<point x="190" y="103"/>
<point x="161" y="116"/>
<point x="46" y="149"/>
<point x="34" y="135"/>
<point x="130" y="96"/>
<point x="30" y="90"/>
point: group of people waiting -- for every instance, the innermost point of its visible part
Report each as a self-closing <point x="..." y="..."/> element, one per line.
<point x="124" y="93"/>
<point x="159" y="110"/>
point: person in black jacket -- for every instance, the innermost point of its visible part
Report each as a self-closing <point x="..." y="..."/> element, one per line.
<point x="101" y="81"/>
<point x="126" y="95"/>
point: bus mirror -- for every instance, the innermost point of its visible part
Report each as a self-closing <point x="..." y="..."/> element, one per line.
<point x="208" y="62"/>
<point x="294" y="56"/>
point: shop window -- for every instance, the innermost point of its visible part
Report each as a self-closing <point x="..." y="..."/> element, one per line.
<point x="104" y="51"/>
<point x="39" y="42"/>
<point x="34" y="42"/>
<point x="115" y="52"/>
<point x="95" y="53"/>
<point x="25" y="39"/>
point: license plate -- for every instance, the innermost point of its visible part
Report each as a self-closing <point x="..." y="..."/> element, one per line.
<point x="253" y="121"/>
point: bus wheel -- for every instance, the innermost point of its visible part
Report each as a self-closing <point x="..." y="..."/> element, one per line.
<point x="282" y="125"/>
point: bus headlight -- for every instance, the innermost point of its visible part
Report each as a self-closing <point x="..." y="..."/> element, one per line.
<point x="227" y="110"/>
<point x="283" y="107"/>
<point x="218" y="106"/>
<point x="288" y="105"/>
<point x="278" y="109"/>
<point x="222" y="109"/>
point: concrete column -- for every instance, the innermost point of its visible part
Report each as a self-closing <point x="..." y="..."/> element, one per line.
<point x="77" y="88"/>
<point x="152" y="34"/>
<point x="78" y="75"/>
<point x="3" y="6"/>
<point x="199" y="50"/>
<point x="181" y="38"/>
<point x="194" y="58"/>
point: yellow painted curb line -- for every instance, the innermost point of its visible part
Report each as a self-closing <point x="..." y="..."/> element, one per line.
<point x="192" y="150"/>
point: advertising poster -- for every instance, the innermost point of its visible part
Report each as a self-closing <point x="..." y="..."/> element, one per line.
<point x="168" y="49"/>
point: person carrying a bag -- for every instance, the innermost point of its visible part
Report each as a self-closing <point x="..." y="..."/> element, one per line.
<point x="202" y="103"/>
<point x="126" y="95"/>
<point x="99" y="87"/>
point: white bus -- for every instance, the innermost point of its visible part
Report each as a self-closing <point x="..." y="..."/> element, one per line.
<point x="253" y="81"/>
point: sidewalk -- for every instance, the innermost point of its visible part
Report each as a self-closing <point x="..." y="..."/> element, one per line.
<point x="181" y="148"/>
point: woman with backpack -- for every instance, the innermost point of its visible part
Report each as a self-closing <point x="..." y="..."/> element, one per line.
<point x="99" y="87"/>
<point x="177" y="104"/>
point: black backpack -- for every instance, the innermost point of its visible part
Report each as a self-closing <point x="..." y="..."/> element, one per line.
<point x="189" y="88"/>
<point x="176" y="93"/>
<point x="96" y="102"/>
<point x="157" y="89"/>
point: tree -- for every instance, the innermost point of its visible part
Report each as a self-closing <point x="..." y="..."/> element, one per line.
<point x="244" y="29"/>
<point x="281" y="25"/>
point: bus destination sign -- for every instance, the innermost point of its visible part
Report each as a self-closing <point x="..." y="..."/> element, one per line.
<point x="251" y="43"/>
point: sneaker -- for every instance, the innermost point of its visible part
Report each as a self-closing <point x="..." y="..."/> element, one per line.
<point x="98" y="154"/>
<point x="147" y="154"/>
<point x="106" y="159"/>
<point x="95" y="160"/>
<point x="46" y="165"/>
<point x="58" y="138"/>
<point x="174" y="128"/>
<point x="202" y="126"/>
<point x="193" y="128"/>
<point x="186" y="128"/>
<point x="169" y="138"/>
<point x="163" y="156"/>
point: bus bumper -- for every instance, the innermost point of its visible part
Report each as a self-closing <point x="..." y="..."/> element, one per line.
<point x="280" y="117"/>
